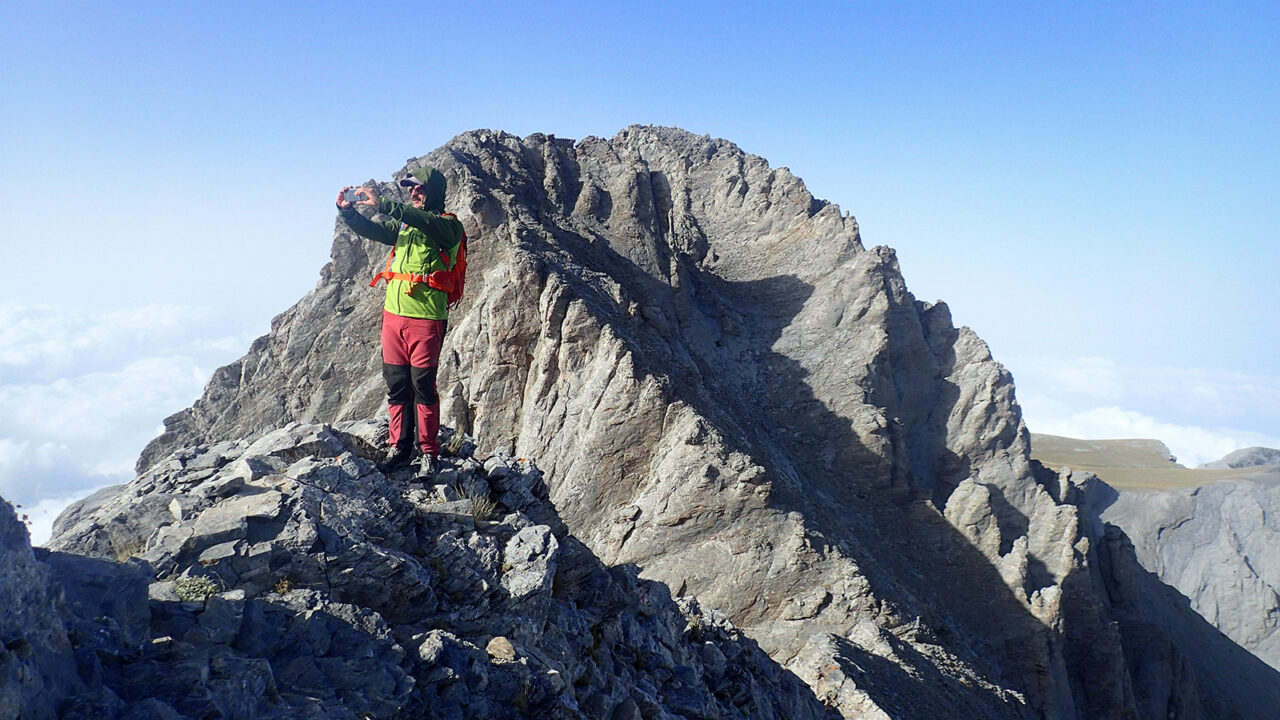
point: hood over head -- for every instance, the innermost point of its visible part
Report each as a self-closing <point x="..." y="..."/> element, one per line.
<point x="434" y="183"/>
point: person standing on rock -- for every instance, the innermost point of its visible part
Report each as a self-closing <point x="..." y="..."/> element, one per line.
<point x="424" y="240"/>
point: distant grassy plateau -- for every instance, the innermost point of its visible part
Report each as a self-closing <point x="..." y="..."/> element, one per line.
<point x="1135" y="464"/>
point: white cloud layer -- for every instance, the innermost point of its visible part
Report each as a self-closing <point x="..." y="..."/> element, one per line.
<point x="1200" y="415"/>
<point x="81" y="394"/>
<point x="1192" y="446"/>
<point x="33" y="334"/>
<point x="61" y="437"/>
<point x="41" y="516"/>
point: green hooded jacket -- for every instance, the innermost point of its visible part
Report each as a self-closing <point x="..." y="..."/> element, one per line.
<point x="415" y="234"/>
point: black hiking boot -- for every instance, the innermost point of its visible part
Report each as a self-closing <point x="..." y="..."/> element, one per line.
<point x="397" y="457"/>
<point x="428" y="466"/>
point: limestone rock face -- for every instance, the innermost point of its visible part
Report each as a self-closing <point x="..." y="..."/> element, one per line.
<point x="296" y="580"/>
<point x="1180" y="662"/>
<point x="727" y="390"/>
<point x="1216" y="545"/>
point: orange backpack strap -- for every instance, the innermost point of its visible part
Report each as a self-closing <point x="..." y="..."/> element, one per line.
<point x="387" y="274"/>
<point x="444" y="256"/>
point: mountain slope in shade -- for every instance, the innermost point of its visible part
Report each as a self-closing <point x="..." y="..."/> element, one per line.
<point x="1209" y="533"/>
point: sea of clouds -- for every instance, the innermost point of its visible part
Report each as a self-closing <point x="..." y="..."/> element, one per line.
<point x="83" y="391"/>
<point x="1201" y="415"/>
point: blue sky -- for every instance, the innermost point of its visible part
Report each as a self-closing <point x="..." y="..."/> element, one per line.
<point x="1092" y="187"/>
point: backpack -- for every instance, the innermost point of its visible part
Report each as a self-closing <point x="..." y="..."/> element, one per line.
<point x="450" y="282"/>
<point x="453" y="280"/>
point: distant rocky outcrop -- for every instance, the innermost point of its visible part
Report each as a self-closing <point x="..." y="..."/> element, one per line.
<point x="1216" y="545"/>
<point x="1208" y="533"/>
<point x="728" y="391"/>
<point x="289" y="578"/>
<point x="1055" y="450"/>
<point x="1250" y="457"/>
<point x="1168" y="644"/>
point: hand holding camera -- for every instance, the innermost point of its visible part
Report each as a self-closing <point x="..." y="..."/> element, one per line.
<point x="356" y="195"/>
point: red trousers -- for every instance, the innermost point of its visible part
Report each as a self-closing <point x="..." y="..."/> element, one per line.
<point x="410" y="355"/>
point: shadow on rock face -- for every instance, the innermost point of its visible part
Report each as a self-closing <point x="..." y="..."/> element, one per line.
<point x="771" y="443"/>
<point x="1181" y="665"/>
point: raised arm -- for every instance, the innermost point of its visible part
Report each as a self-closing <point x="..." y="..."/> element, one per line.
<point x="446" y="231"/>
<point x="384" y="233"/>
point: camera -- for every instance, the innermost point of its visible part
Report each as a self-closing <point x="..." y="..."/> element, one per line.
<point x="350" y="195"/>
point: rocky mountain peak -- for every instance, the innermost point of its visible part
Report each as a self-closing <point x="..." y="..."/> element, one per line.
<point x="726" y="390"/>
